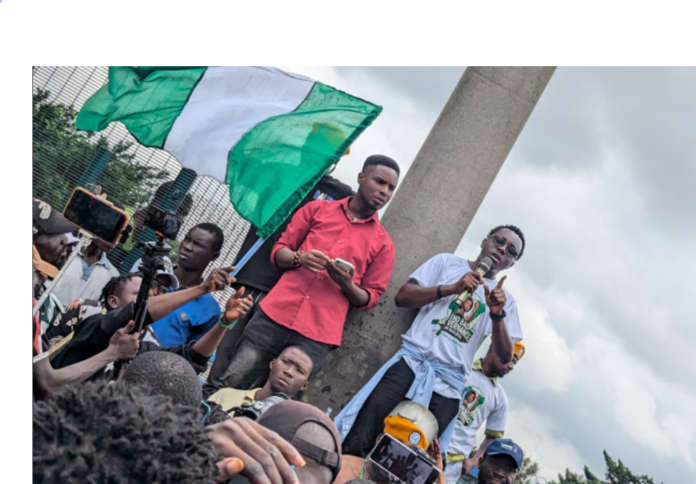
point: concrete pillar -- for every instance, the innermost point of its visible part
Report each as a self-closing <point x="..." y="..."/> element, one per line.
<point x="433" y="207"/>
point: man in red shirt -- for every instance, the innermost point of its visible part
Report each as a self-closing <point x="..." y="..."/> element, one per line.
<point x="308" y="306"/>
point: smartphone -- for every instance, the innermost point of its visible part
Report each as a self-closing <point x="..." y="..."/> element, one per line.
<point x="344" y="265"/>
<point x="402" y="462"/>
<point x="95" y="215"/>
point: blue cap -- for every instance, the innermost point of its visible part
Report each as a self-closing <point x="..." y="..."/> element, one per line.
<point x="507" y="447"/>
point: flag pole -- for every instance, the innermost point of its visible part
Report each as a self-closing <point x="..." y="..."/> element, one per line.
<point x="252" y="250"/>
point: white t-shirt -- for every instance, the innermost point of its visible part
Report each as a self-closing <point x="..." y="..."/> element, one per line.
<point x="483" y="402"/>
<point x="453" y="341"/>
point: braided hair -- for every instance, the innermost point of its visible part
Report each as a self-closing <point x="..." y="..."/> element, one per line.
<point x="115" y="286"/>
<point x="512" y="228"/>
<point x="100" y="432"/>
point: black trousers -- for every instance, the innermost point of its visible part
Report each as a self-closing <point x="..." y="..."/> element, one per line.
<point x="390" y="391"/>
<point x="262" y="341"/>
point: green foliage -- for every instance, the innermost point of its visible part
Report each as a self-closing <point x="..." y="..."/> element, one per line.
<point x="529" y="471"/>
<point x="617" y="473"/>
<point x="61" y="154"/>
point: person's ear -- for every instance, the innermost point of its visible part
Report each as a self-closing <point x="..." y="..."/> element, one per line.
<point x="305" y="386"/>
<point x="215" y="255"/>
<point x="361" y="177"/>
<point x="483" y="242"/>
<point x="270" y="365"/>
<point x="111" y="302"/>
<point x="480" y="462"/>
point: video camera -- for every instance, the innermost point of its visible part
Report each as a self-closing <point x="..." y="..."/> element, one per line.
<point x="256" y="409"/>
<point x="401" y="464"/>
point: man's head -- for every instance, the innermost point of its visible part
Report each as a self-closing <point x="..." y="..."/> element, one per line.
<point x="120" y="291"/>
<point x="49" y="233"/>
<point x="501" y="462"/>
<point x="290" y="372"/>
<point x="377" y="181"/>
<point x="312" y="433"/>
<point x="496" y="368"/>
<point x="95" y="433"/>
<point x="470" y="396"/>
<point x="200" y="247"/>
<point x="504" y="245"/>
<point x="166" y="374"/>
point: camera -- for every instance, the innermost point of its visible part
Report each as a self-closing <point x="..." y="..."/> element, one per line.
<point x="163" y="222"/>
<point x="256" y="409"/>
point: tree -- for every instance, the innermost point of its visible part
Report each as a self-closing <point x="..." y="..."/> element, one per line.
<point x="529" y="471"/>
<point x="61" y="155"/>
<point x="617" y="473"/>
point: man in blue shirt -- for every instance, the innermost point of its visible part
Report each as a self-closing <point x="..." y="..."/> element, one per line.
<point x="199" y="248"/>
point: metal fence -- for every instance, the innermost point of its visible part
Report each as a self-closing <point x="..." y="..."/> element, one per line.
<point x="63" y="158"/>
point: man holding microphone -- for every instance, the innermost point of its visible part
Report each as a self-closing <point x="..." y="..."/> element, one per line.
<point x="461" y="303"/>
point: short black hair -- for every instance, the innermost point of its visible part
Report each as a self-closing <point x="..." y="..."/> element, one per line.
<point x="114" y="286"/>
<point x="99" y="432"/>
<point x="168" y="374"/>
<point x="375" y="160"/>
<point x="185" y="205"/>
<point x="512" y="228"/>
<point x="218" y="235"/>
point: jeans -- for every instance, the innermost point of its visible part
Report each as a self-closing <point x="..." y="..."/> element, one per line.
<point x="261" y="342"/>
<point x="389" y="392"/>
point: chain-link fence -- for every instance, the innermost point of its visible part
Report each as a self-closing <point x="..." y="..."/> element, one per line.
<point x="64" y="158"/>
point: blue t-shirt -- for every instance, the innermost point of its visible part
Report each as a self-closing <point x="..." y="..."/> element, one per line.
<point x="189" y="322"/>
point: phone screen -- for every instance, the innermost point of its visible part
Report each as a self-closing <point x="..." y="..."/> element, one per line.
<point x="404" y="463"/>
<point x="95" y="216"/>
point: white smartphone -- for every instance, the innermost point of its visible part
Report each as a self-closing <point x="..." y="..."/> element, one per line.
<point x="344" y="265"/>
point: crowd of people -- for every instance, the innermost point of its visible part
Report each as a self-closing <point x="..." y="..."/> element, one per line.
<point x="116" y="404"/>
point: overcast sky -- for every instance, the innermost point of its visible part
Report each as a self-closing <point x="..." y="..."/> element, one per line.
<point x="601" y="181"/>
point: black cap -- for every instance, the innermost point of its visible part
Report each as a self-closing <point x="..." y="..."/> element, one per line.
<point x="287" y="416"/>
<point x="49" y="221"/>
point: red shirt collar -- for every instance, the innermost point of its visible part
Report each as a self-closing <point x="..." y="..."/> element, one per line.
<point x="344" y="203"/>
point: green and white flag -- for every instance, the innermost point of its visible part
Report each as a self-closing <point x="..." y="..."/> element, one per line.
<point x="268" y="134"/>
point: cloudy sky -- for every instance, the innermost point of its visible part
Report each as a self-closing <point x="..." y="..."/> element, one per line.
<point x="601" y="182"/>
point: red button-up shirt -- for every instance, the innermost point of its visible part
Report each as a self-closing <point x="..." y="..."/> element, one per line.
<point x="313" y="304"/>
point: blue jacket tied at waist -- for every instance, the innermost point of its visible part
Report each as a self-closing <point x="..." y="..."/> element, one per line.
<point x="420" y="391"/>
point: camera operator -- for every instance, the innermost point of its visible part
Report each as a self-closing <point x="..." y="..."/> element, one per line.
<point x="118" y="346"/>
<point x="411" y="424"/>
<point x="119" y="299"/>
<point x="289" y="375"/>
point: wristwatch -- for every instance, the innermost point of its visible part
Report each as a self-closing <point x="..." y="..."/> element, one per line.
<point x="498" y="317"/>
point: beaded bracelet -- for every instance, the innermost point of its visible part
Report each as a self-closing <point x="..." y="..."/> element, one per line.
<point x="226" y="326"/>
<point x="296" y="258"/>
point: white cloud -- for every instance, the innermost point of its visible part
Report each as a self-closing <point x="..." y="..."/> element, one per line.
<point x="543" y="441"/>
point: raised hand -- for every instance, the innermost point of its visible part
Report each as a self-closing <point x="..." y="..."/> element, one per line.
<point x="496" y="298"/>
<point x="218" y="279"/>
<point x="237" y="306"/>
<point x="314" y="261"/>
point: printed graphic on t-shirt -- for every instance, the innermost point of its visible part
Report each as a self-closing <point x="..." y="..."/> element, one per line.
<point x="461" y="322"/>
<point x="473" y="399"/>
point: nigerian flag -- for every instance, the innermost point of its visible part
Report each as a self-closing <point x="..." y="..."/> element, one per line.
<point x="268" y="134"/>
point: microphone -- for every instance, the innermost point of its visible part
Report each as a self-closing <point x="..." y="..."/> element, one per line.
<point x="483" y="267"/>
